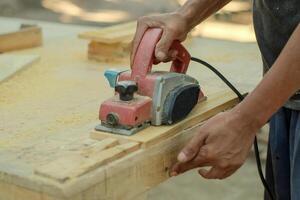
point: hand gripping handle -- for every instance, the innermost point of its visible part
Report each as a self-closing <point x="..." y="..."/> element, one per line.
<point x="143" y="60"/>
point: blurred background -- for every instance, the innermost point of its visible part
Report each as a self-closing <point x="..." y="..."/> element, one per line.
<point x="108" y="12"/>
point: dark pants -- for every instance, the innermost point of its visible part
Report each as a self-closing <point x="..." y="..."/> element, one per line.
<point x="283" y="160"/>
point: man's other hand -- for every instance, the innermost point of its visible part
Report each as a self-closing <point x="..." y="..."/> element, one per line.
<point x="222" y="144"/>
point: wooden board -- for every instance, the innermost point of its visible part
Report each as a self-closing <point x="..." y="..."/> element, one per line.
<point x="77" y="164"/>
<point x="122" y="33"/>
<point x="120" y="163"/>
<point x="22" y="39"/>
<point x="12" y="64"/>
<point x="110" y="44"/>
<point x="109" y="53"/>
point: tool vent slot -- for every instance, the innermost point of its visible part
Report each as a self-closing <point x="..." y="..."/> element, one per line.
<point x="179" y="103"/>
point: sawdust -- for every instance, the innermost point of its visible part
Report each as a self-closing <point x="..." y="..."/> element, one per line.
<point x="60" y="91"/>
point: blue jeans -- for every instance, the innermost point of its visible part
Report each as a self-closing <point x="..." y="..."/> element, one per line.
<point x="283" y="160"/>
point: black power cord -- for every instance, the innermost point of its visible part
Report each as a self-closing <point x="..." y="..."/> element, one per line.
<point x="241" y="98"/>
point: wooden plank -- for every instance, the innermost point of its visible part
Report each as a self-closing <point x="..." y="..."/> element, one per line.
<point x="110" y="44"/>
<point x="14" y="192"/>
<point x="99" y="146"/>
<point x="74" y="165"/>
<point x="22" y="39"/>
<point x="12" y="64"/>
<point x="114" y="179"/>
<point x="122" y="33"/>
<point x="145" y="169"/>
<point x="204" y="110"/>
<point x="71" y="161"/>
<point x="110" y="53"/>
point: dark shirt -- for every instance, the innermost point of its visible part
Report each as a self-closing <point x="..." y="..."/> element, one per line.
<point x="274" y="22"/>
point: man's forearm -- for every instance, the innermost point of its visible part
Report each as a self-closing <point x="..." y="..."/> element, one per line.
<point x="195" y="11"/>
<point x="281" y="82"/>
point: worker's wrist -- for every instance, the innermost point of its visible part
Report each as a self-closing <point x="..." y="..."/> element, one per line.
<point x="190" y="13"/>
<point x="246" y="119"/>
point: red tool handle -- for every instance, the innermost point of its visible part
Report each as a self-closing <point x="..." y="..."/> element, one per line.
<point x="143" y="60"/>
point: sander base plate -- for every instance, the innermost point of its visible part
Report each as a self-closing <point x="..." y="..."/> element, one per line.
<point x="120" y="130"/>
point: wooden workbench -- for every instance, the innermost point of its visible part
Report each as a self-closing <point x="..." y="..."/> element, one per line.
<point x="47" y="113"/>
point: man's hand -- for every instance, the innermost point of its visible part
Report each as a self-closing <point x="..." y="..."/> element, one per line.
<point x="222" y="143"/>
<point x="174" y="27"/>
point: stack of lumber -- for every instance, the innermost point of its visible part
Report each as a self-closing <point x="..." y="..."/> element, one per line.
<point x="27" y="37"/>
<point x="111" y="44"/>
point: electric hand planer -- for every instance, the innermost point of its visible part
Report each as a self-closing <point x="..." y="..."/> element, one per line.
<point x="143" y="97"/>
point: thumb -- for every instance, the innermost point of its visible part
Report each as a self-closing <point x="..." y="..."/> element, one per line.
<point x="191" y="149"/>
<point x="163" y="46"/>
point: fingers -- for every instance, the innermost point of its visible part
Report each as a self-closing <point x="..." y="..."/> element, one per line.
<point x="200" y="160"/>
<point x="216" y="172"/>
<point x="162" y="47"/>
<point x="212" y="173"/>
<point x="172" y="54"/>
<point x="192" y="148"/>
<point x="228" y="173"/>
<point x="162" y="53"/>
<point x="220" y="169"/>
<point x="209" y="174"/>
<point x="142" y="26"/>
<point x="180" y="168"/>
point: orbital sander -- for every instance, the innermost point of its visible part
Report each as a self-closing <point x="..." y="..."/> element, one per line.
<point x="144" y="97"/>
